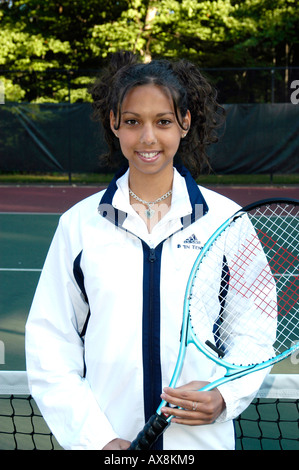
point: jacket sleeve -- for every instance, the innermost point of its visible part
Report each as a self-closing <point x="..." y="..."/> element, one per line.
<point x="239" y="394"/>
<point x="55" y="355"/>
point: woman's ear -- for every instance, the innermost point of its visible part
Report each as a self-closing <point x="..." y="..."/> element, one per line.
<point x="112" y="123"/>
<point x="186" y="123"/>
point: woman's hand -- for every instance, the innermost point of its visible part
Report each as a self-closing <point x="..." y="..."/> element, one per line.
<point x="117" y="444"/>
<point x="197" y="407"/>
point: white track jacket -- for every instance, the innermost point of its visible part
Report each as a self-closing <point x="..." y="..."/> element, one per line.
<point x="103" y="332"/>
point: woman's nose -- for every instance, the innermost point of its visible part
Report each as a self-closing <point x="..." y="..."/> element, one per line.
<point x="148" y="136"/>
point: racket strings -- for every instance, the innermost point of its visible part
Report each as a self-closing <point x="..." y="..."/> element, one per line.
<point x="245" y="294"/>
<point x="278" y="237"/>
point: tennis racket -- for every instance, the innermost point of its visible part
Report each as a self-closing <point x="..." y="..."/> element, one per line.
<point x="241" y="300"/>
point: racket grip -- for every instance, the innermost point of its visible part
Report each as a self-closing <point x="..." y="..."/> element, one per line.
<point x="152" y="430"/>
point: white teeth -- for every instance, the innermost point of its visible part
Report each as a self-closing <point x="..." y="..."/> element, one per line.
<point x="148" y="154"/>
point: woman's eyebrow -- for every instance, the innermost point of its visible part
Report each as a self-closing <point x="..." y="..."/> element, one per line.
<point x="158" y="115"/>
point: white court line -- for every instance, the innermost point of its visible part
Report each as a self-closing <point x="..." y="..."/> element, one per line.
<point x="286" y="275"/>
<point x="39" y="270"/>
<point x="21" y="270"/>
<point x="31" y="213"/>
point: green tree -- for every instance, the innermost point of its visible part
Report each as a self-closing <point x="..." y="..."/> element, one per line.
<point x="78" y="35"/>
<point x="41" y="37"/>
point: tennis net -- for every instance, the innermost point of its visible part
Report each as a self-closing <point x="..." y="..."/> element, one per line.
<point x="271" y="422"/>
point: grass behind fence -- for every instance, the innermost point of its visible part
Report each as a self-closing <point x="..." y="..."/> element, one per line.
<point x="101" y="178"/>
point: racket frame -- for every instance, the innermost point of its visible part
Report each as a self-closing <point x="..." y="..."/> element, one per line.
<point x="233" y="371"/>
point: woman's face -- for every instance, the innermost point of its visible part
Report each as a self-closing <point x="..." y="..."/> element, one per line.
<point x="149" y="133"/>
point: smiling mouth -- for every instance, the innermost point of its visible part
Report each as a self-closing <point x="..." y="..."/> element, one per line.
<point x="149" y="155"/>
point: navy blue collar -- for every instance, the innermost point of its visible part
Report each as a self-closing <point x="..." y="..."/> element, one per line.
<point x="112" y="188"/>
<point x="198" y="203"/>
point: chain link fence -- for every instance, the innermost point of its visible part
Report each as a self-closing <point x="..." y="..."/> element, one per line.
<point x="235" y="85"/>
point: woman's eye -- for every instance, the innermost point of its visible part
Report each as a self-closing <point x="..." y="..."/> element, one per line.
<point x="164" y="122"/>
<point x="131" y="122"/>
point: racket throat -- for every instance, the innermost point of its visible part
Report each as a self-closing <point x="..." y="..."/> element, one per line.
<point x="215" y="349"/>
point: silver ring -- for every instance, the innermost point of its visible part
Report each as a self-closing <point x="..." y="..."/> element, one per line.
<point x="194" y="406"/>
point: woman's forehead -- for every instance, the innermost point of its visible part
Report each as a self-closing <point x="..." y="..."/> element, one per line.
<point x="148" y="97"/>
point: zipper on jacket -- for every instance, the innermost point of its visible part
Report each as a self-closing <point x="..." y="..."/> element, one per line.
<point x="151" y="332"/>
<point x="152" y="259"/>
<point x="152" y="255"/>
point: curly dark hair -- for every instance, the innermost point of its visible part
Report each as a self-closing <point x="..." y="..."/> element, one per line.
<point x="188" y="88"/>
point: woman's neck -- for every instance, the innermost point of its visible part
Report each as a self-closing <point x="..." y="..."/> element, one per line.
<point x="150" y="187"/>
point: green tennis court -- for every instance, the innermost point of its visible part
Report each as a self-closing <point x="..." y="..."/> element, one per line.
<point x="24" y="242"/>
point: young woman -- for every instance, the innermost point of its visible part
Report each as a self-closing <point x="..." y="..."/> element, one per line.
<point x="103" y="332"/>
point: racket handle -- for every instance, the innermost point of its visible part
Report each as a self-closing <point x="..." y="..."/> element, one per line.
<point x="150" y="433"/>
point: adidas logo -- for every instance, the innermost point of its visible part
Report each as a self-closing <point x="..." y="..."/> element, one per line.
<point x="191" y="243"/>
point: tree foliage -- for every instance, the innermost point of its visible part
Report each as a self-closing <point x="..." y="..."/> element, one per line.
<point x="42" y="37"/>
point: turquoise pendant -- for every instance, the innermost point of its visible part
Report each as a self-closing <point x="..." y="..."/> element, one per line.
<point x="149" y="213"/>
